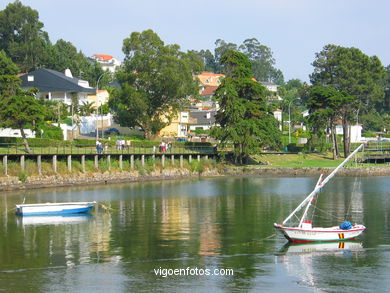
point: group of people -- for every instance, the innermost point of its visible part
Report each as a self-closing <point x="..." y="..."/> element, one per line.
<point x="100" y="148"/>
<point x="163" y="147"/>
<point x="121" y="144"/>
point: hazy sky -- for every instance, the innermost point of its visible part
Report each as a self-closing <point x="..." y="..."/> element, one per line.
<point x="294" y="29"/>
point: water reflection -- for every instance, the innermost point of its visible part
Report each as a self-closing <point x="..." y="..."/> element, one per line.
<point x="301" y="260"/>
<point x="53" y="220"/>
<point x="218" y="223"/>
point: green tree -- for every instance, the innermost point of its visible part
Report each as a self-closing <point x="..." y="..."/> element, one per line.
<point x="22" y="36"/>
<point x="262" y="61"/>
<point x="243" y="116"/>
<point x="86" y="108"/>
<point x="326" y="105"/>
<point x="18" y="109"/>
<point x="209" y="61"/>
<point x="387" y="88"/>
<point x="63" y="55"/>
<point x="353" y="73"/>
<point x="155" y="81"/>
<point x="222" y="47"/>
<point x="9" y="83"/>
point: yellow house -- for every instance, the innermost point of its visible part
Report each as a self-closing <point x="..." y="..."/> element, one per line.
<point x="210" y="79"/>
<point x="100" y="99"/>
<point x="178" y="127"/>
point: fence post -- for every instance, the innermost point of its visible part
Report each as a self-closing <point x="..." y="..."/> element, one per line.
<point x="109" y="162"/>
<point x="120" y="162"/>
<point x="5" y="165"/>
<point x="96" y="161"/>
<point x="39" y="163"/>
<point x="162" y="160"/>
<point x="143" y="161"/>
<point x="132" y="161"/>
<point x="173" y="160"/>
<point x="181" y="161"/>
<point x="83" y="163"/>
<point x="70" y="163"/>
<point x="22" y="164"/>
<point x="55" y="163"/>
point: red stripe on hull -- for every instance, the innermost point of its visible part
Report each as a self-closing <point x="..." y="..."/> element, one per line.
<point x="311" y="241"/>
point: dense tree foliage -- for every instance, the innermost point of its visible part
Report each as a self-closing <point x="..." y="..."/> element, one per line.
<point x="23" y="39"/>
<point x="155" y="81"/>
<point x="18" y="109"/>
<point x="243" y="117"/>
<point x="326" y="105"/>
<point x="22" y="36"/>
<point x="353" y="73"/>
<point x="260" y="57"/>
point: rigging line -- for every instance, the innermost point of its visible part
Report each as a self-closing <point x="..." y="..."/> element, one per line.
<point x="329" y="214"/>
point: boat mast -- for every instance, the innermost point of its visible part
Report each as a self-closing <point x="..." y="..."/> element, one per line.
<point x="320" y="185"/>
<point x="309" y="203"/>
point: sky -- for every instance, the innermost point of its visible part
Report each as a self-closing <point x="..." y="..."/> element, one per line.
<point x="294" y="29"/>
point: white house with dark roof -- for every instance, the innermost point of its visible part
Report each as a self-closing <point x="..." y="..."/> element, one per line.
<point x="57" y="86"/>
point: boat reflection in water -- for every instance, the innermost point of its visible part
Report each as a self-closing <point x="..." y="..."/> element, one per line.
<point x="54" y="220"/>
<point x="321" y="248"/>
<point x="310" y="262"/>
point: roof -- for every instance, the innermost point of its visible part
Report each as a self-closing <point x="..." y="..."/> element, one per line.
<point x="211" y="74"/>
<point x="208" y="91"/>
<point x="104" y="57"/>
<point x="48" y="80"/>
<point x="203" y="117"/>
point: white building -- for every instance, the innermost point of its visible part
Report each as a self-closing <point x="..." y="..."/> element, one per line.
<point x="356" y="132"/>
<point x="107" y="62"/>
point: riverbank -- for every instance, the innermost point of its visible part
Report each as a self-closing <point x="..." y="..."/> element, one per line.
<point x="90" y="178"/>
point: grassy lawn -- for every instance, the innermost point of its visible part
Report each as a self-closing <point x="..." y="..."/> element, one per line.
<point x="301" y="160"/>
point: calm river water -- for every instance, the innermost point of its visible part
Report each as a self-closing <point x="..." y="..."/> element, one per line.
<point x="204" y="229"/>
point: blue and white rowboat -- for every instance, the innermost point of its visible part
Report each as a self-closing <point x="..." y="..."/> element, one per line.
<point x="54" y="208"/>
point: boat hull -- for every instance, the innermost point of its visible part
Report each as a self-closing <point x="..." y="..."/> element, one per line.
<point x="318" y="234"/>
<point x="54" y="208"/>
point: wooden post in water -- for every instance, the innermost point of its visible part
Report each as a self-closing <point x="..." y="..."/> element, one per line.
<point x="22" y="164"/>
<point x="69" y="163"/>
<point x="96" y="162"/>
<point x="109" y="162"/>
<point x="39" y="164"/>
<point x="121" y="162"/>
<point x="132" y="161"/>
<point x="5" y="165"/>
<point x="55" y="163"/>
<point x="163" y="161"/>
<point x="181" y="161"/>
<point x="83" y="163"/>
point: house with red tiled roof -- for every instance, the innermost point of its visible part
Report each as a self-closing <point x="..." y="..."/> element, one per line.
<point x="107" y="62"/>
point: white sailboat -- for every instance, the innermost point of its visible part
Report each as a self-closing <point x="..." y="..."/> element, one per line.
<point x="304" y="232"/>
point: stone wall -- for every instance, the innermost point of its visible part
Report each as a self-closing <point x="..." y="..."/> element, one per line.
<point x="11" y="182"/>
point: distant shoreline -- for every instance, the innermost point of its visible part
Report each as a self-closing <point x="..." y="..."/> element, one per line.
<point x="36" y="182"/>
